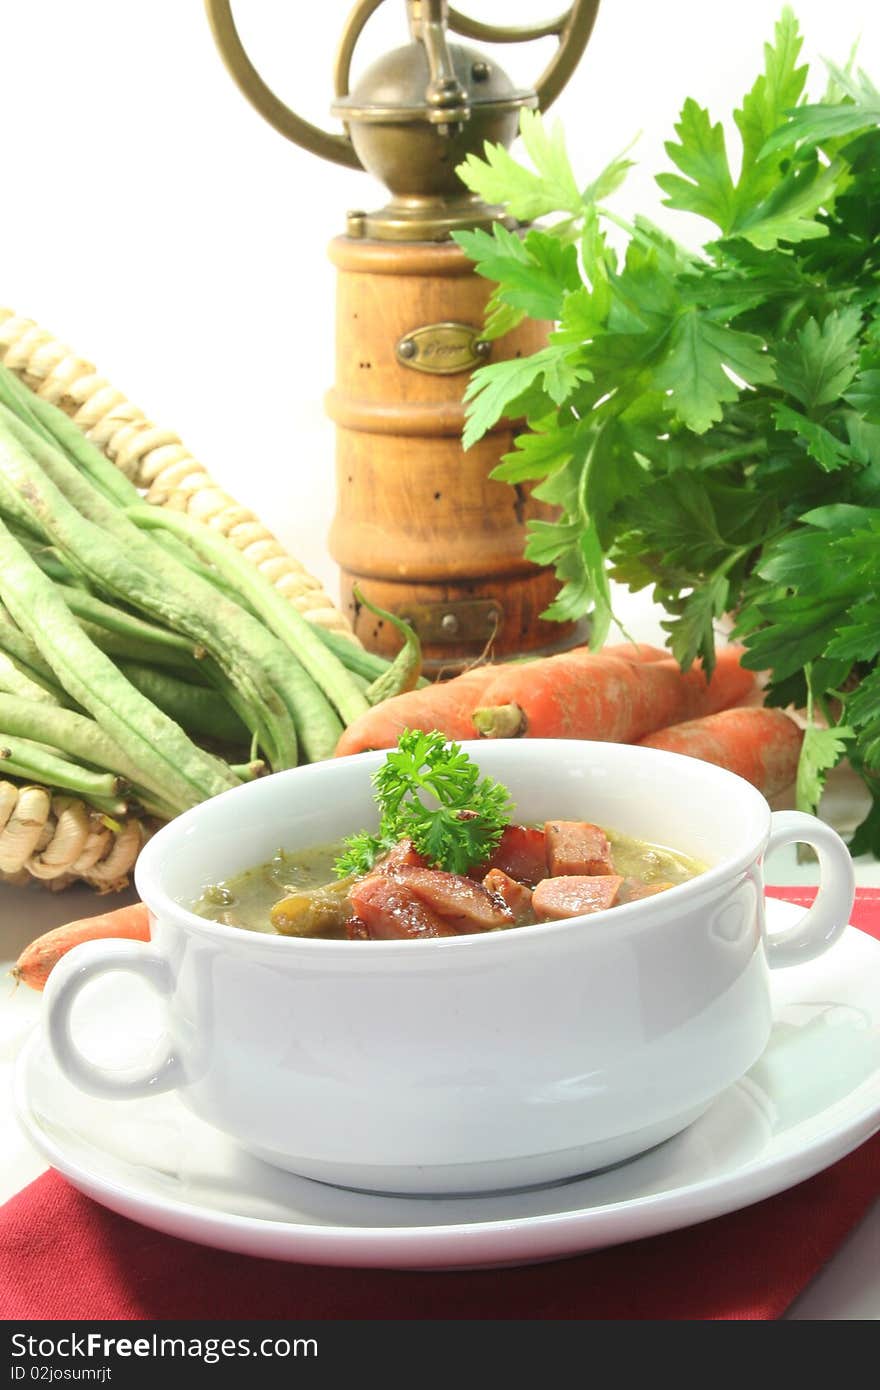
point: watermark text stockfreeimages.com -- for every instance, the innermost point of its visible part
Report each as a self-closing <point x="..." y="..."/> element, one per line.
<point x="97" y="1346"/>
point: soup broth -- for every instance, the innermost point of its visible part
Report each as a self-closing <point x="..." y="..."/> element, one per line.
<point x="295" y="894"/>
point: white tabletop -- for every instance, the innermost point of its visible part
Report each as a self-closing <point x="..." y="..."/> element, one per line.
<point x="848" y="1287"/>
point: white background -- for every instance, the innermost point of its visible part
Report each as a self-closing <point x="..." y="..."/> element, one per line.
<point x="155" y="223"/>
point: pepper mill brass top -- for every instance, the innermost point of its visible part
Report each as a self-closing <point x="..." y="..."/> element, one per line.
<point x="419" y="110"/>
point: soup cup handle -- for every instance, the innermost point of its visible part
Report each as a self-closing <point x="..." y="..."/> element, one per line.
<point x="825" y="921"/>
<point x="162" y="1072"/>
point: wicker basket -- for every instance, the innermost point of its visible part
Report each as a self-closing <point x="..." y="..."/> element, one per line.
<point x="55" y="840"/>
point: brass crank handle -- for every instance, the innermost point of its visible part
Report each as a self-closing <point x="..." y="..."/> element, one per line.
<point x="337" y="148"/>
<point x="571" y="29"/>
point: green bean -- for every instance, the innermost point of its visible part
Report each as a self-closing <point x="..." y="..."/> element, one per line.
<point x="65" y="733"/>
<point x="17" y="516"/>
<point x="14" y="681"/>
<point x="22" y="757"/>
<point x="48" y="559"/>
<point x="249" y="771"/>
<point x="26" y="656"/>
<point x="207" y="669"/>
<point x="355" y="657"/>
<point x="152" y="741"/>
<point x="126" y="637"/>
<point x="277" y="612"/>
<point x="187" y="557"/>
<point x="121" y="648"/>
<point x="318" y="726"/>
<point x="406" y="667"/>
<point x="24" y="403"/>
<point x="195" y="708"/>
<point x="50" y="424"/>
<point x="144" y="637"/>
<point x="115" y="558"/>
<point x="201" y="671"/>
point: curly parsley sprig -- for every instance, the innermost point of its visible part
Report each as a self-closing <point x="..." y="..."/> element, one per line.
<point x="430" y="792"/>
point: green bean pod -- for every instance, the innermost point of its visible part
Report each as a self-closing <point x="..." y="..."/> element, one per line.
<point x="14" y="681"/>
<point x="277" y="612"/>
<point x="152" y="740"/>
<point x="22" y="757"/>
<point x="405" y="669"/>
<point x="25" y="655"/>
<point x="195" y="708"/>
<point x="369" y="666"/>
<point x="144" y="640"/>
<point x="116" y="559"/>
<point x="74" y="736"/>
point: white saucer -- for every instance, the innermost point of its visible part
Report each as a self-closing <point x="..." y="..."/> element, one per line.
<point x="812" y="1098"/>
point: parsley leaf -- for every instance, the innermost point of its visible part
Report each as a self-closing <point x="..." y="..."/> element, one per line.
<point x="429" y="791"/>
<point x="823" y="446"/>
<point x="701" y="155"/>
<point x="535" y="271"/>
<point x="696" y="372"/>
<point x="821" y="750"/>
<point x="693" y="633"/>
<point x="491" y="389"/>
<point x="821" y="362"/>
<point x="817" y="124"/>
<point x="528" y="193"/>
<point x="361" y="852"/>
<point x="789" y="211"/>
<point x="776" y="91"/>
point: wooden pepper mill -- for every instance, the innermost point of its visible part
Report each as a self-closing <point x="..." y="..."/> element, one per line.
<point x="420" y="528"/>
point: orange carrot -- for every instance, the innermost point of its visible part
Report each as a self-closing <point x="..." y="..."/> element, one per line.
<point x="36" y="960"/>
<point x="731" y="683"/>
<point x="579" y="695"/>
<point x="761" y="745"/>
<point x="636" y="651"/>
<point x="446" y="706"/>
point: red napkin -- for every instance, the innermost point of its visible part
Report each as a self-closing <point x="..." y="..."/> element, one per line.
<point x="62" y="1256"/>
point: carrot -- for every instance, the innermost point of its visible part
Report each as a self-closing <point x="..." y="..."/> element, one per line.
<point x="582" y="695"/>
<point x="608" y="695"/>
<point x="636" y="651"/>
<point x="731" y="683"/>
<point x="36" y="960"/>
<point x="446" y="706"/>
<point x="761" y="745"/>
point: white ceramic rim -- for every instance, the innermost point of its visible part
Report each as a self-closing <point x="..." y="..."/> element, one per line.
<point x="162" y="904"/>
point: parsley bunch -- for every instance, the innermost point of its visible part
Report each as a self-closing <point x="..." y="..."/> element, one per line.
<point x="430" y="792"/>
<point x="709" y="423"/>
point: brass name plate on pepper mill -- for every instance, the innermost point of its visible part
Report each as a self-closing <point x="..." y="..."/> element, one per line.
<point x="420" y="526"/>
<point x="443" y="348"/>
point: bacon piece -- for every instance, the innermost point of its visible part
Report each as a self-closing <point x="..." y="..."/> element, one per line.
<point x="515" y="895"/>
<point x="577" y="847"/>
<point x="356" y="929"/>
<point x="404" y="854"/>
<point x="574" y="894"/>
<point x="458" y="900"/>
<point x="520" y="853"/>
<point x="389" y="910"/>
